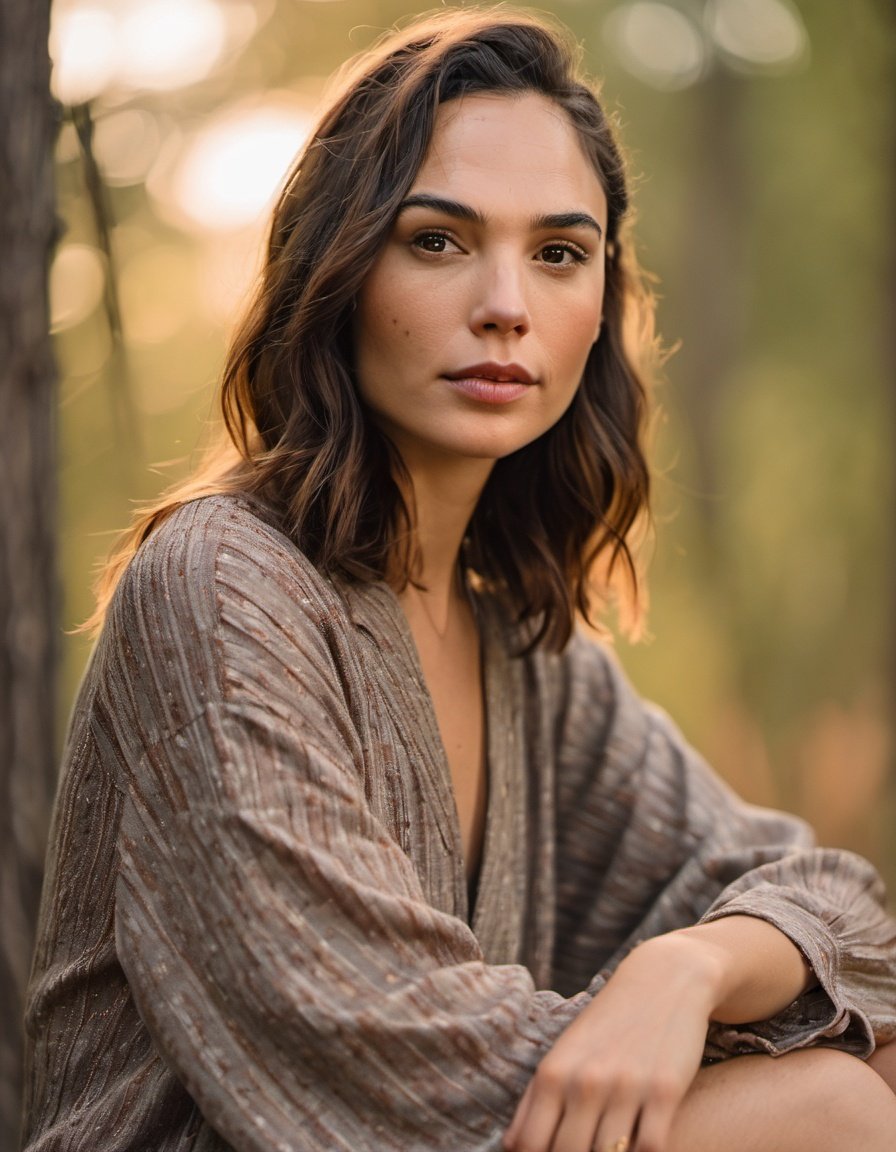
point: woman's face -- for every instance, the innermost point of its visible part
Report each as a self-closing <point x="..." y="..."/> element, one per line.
<point x="474" y="325"/>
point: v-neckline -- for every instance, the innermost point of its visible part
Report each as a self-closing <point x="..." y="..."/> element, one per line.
<point x="468" y="896"/>
<point x="471" y="889"/>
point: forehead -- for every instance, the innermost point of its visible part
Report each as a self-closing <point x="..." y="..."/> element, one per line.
<point x="503" y="149"/>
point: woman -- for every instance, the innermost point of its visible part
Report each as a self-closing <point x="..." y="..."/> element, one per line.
<point x="357" y="844"/>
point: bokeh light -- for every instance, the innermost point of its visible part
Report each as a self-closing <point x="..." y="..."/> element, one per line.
<point x="225" y="175"/>
<point x="169" y="43"/>
<point x="657" y="43"/>
<point x="82" y="45"/>
<point x="758" y="33"/>
<point x="126" y="144"/>
<point x="144" y="45"/>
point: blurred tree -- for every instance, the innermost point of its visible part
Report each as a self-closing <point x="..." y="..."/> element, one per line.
<point x="27" y="513"/>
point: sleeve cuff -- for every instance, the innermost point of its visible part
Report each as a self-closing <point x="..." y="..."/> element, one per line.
<point x="821" y="1016"/>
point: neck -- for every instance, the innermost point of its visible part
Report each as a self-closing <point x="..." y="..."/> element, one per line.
<point x="444" y="502"/>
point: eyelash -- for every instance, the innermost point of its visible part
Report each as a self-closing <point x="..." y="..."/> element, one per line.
<point x="578" y="254"/>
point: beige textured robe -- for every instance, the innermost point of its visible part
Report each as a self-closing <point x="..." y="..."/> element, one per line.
<point x="255" y="931"/>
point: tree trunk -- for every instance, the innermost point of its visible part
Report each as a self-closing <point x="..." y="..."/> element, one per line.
<point x="888" y="519"/>
<point x="715" y="260"/>
<point x="28" y="586"/>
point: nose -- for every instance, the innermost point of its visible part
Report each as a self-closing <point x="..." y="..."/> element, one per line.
<point x="500" y="304"/>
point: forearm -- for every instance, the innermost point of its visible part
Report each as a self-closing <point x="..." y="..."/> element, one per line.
<point x="752" y="970"/>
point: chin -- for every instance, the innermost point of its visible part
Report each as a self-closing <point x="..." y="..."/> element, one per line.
<point x="488" y="443"/>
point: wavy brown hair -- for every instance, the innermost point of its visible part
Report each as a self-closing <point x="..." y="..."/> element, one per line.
<point x="298" y="433"/>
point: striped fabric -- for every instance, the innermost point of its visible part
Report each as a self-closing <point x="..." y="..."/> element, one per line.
<point x="256" y="931"/>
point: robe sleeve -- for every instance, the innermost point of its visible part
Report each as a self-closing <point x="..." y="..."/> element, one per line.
<point x="650" y="840"/>
<point x="275" y="937"/>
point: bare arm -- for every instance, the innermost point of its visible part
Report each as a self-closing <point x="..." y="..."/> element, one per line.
<point x="753" y="970"/>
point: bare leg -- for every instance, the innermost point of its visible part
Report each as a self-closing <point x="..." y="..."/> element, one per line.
<point x="883" y="1061"/>
<point x="817" y="1100"/>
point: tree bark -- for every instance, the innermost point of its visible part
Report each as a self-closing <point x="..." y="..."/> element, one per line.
<point x="28" y="583"/>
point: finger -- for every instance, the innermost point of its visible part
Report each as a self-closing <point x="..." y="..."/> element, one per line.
<point x="584" y="1099"/>
<point x="654" y="1128"/>
<point x="658" y="1114"/>
<point x="575" y="1132"/>
<point x="616" y="1130"/>
<point x="538" y="1115"/>
<point x="519" y="1118"/>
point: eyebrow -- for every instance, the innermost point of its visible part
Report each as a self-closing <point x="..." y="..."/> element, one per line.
<point x="465" y="212"/>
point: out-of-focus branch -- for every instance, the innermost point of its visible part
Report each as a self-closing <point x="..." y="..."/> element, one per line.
<point x="127" y="423"/>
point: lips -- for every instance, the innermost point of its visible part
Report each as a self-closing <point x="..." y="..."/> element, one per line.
<point x="496" y="373"/>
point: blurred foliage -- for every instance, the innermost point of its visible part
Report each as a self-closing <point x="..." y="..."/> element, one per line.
<point x="764" y="200"/>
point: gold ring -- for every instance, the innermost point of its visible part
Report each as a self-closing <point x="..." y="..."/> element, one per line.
<point x="621" y="1145"/>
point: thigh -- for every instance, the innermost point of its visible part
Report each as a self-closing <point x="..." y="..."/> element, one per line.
<point x="883" y="1061"/>
<point x="816" y="1100"/>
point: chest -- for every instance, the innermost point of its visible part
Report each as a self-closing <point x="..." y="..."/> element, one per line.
<point x="424" y="798"/>
<point x="453" y="676"/>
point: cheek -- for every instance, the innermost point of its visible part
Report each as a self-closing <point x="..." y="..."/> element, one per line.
<point x="392" y="321"/>
<point x="572" y="334"/>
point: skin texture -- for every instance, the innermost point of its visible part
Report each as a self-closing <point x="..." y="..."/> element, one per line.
<point x="883" y="1061"/>
<point x="815" y="1100"/>
<point x="492" y="283"/>
<point x="447" y="293"/>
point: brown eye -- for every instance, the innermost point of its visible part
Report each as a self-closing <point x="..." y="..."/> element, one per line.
<point x="562" y="255"/>
<point x="554" y="254"/>
<point x="431" y="242"/>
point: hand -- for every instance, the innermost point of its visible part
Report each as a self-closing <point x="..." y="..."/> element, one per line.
<point x="616" y="1076"/>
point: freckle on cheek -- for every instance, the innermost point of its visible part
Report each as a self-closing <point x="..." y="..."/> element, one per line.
<point x="407" y="331"/>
